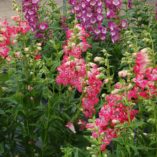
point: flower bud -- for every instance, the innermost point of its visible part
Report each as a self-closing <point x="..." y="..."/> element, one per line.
<point x="30" y="88"/>
<point x="39" y="48"/>
<point x="88" y="148"/>
<point x="103" y="95"/>
<point x="17" y="54"/>
<point x="106" y="80"/>
<point x="26" y="49"/>
<point x="115" y="121"/>
<point x="115" y="91"/>
<point x="31" y="98"/>
<point x="98" y="59"/>
<point x="145" y="50"/>
<point x="1" y="38"/>
<point x="14" y="41"/>
<point x="123" y="73"/>
<point x="39" y="44"/>
<point x="92" y="64"/>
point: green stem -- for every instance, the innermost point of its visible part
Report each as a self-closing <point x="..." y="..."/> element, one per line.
<point x="46" y="127"/>
<point x="78" y="110"/>
<point x="153" y="48"/>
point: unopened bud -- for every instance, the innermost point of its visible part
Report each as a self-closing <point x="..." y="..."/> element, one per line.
<point x="145" y="50"/>
<point x="103" y="95"/>
<point x="115" y="91"/>
<point x="88" y="148"/>
<point x="92" y="64"/>
<point x="30" y="88"/>
<point x="134" y="54"/>
<point x="123" y="73"/>
<point x="39" y="48"/>
<point x="3" y="29"/>
<point x="1" y="38"/>
<point x="98" y="59"/>
<point x="106" y="80"/>
<point x="39" y="44"/>
<point x="115" y="121"/>
<point x="26" y="49"/>
<point x="17" y="54"/>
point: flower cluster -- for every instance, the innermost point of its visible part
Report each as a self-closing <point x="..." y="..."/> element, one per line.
<point x="145" y="77"/>
<point x="113" y="8"/>
<point x="112" y="113"/>
<point x="115" y="111"/>
<point x="71" y="72"/>
<point x="9" y="33"/>
<point x="92" y="88"/>
<point x="30" y="9"/>
<point x="90" y="14"/>
<point x="74" y="71"/>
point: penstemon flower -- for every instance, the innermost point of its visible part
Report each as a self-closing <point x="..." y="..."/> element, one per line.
<point x="90" y="13"/>
<point x="114" y="110"/>
<point x="9" y="33"/>
<point x="30" y="9"/>
<point x="112" y="113"/>
<point x="85" y="76"/>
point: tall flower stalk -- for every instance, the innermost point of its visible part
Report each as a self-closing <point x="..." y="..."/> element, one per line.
<point x="30" y="9"/>
<point x="91" y="16"/>
<point x="85" y="75"/>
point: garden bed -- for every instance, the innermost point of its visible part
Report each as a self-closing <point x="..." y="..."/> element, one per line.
<point x="78" y="81"/>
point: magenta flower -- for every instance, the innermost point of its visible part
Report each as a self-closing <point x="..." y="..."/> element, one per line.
<point x="129" y="4"/>
<point x="90" y="13"/>
<point x="43" y="26"/>
<point x="124" y="24"/>
<point x="30" y="9"/>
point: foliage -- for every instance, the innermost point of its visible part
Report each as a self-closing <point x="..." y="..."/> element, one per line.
<point x="56" y="91"/>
